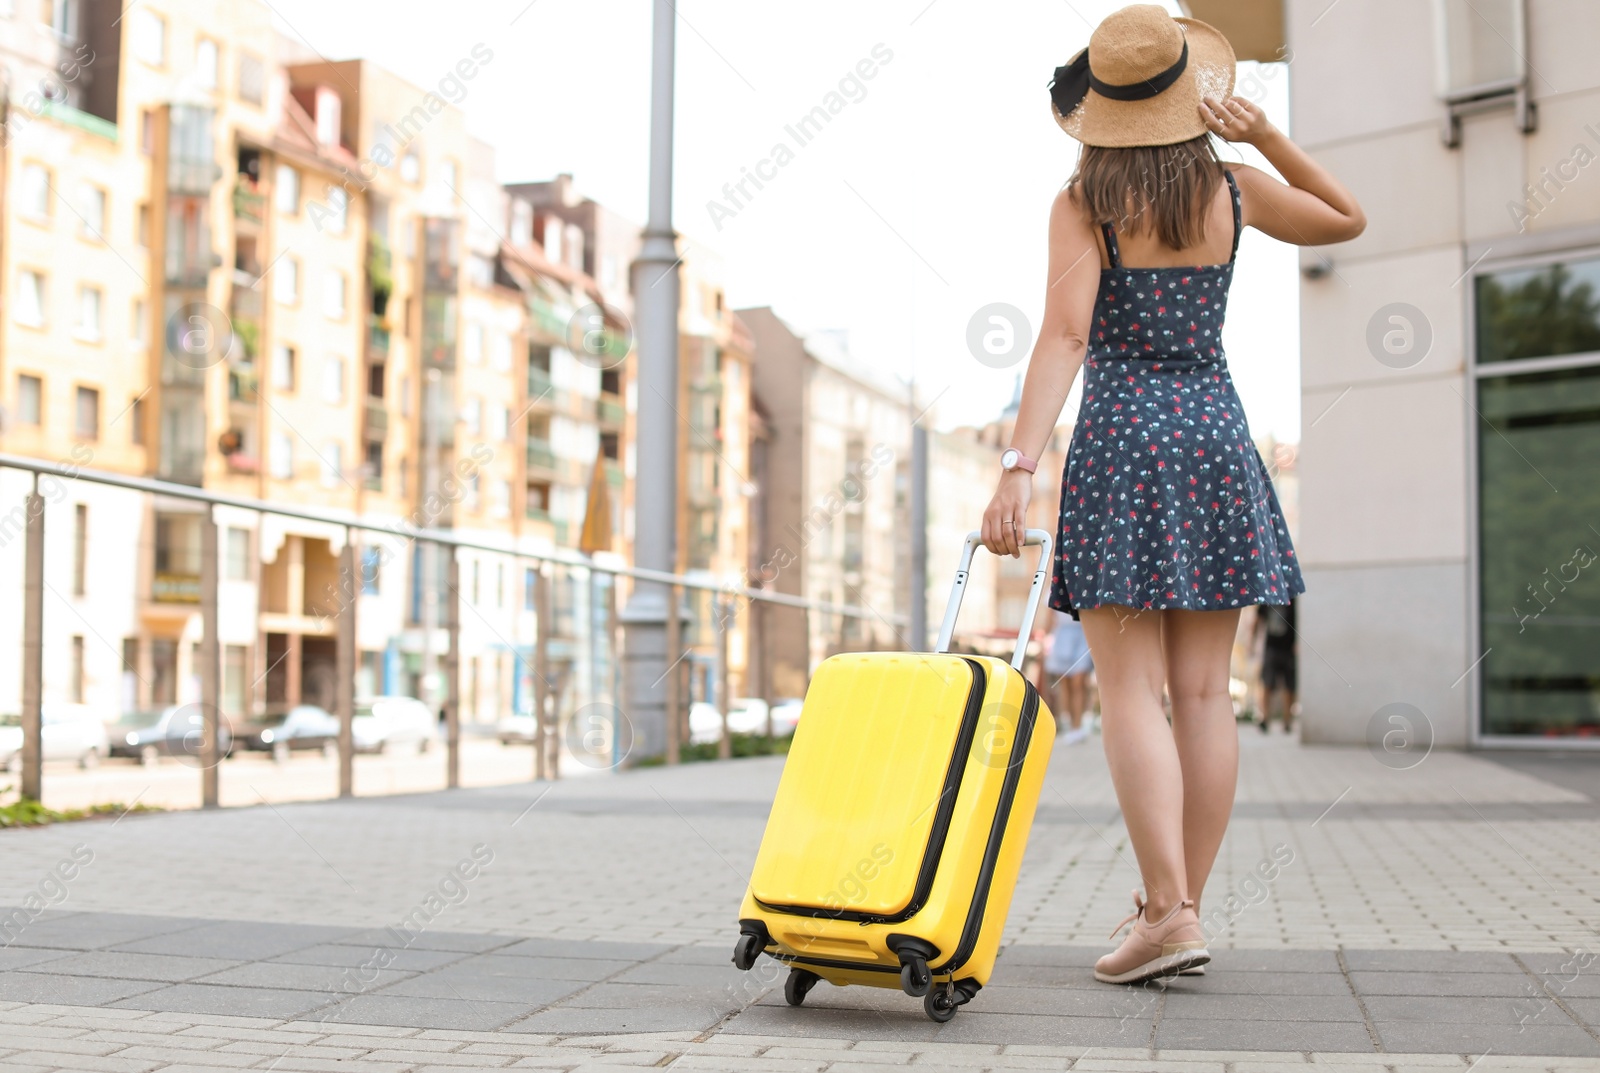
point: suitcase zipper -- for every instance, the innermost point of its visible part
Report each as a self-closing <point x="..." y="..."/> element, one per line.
<point x="941" y="820"/>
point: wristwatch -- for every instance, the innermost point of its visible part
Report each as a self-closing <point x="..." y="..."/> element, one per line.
<point x="1011" y="458"/>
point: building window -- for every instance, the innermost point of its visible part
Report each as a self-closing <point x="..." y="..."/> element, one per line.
<point x="332" y="463"/>
<point x="64" y="18"/>
<point x="75" y="682"/>
<point x="333" y="380"/>
<point x="29" y="307"/>
<point x="500" y="352"/>
<point x="136" y="419"/>
<point x="30" y="400"/>
<point x="94" y="213"/>
<point x="286" y="190"/>
<point x="144" y="226"/>
<point x="474" y="344"/>
<point x="371" y="568"/>
<point x="88" y="327"/>
<point x="372" y="466"/>
<point x="280" y="456"/>
<point x="500" y="423"/>
<point x="86" y="422"/>
<point x="283" y="368"/>
<point x="252" y="78"/>
<point x="286" y="281"/>
<point x="235" y="680"/>
<point x="136" y="324"/>
<point x="472" y="415"/>
<point x="338" y="215"/>
<point x="411" y="167"/>
<point x="80" y="547"/>
<point x="236" y="554"/>
<point x="530" y="588"/>
<point x="205" y="62"/>
<point x="149" y="44"/>
<point x="333" y="294"/>
<point x="34" y="201"/>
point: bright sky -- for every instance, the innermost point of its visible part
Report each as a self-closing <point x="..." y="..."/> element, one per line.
<point x="925" y="199"/>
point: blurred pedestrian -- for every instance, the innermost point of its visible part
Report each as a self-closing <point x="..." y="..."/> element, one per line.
<point x="1275" y="636"/>
<point x="1067" y="665"/>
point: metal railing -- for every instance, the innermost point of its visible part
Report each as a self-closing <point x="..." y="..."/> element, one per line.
<point x="546" y="722"/>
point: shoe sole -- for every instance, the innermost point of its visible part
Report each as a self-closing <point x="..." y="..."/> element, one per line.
<point x="1194" y="970"/>
<point x="1168" y="965"/>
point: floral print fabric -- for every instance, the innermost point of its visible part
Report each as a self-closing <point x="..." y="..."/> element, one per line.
<point x="1165" y="501"/>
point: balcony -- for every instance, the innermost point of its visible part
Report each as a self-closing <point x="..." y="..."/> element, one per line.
<point x="609" y="410"/>
<point x="248" y="206"/>
<point x="377" y="419"/>
<point x="377" y="338"/>
<point x="613" y="474"/>
<point x="540" y="456"/>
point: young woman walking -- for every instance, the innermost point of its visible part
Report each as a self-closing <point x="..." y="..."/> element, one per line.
<point x="1169" y="524"/>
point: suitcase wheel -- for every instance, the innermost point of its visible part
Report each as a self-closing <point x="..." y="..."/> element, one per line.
<point x="915" y="979"/>
<point x="799" y="985"/>
<point x="942" y="1002"/>
<point x="746" y="950"/>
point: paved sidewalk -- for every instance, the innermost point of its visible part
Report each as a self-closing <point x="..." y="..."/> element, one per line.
<point x="1441" y="917"/>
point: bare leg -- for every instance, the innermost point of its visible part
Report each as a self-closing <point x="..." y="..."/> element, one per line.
<point x="1076" y="688"/>
<point x="1197" y="646"/>
<point x="1139" y="746"/>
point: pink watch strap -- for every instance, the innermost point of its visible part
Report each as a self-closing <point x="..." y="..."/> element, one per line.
<point x="1024" y="463"/>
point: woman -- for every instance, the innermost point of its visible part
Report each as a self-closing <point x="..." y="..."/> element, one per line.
<point x="1067" y="664"/>
<point x="1169" y="524"/>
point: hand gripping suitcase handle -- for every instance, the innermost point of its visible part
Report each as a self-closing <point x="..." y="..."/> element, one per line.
<point x="974" y="539"/>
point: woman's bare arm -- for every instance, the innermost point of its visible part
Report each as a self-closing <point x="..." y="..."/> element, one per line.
<point x="1314" y="209"/>
<point x="1074" y="280"/>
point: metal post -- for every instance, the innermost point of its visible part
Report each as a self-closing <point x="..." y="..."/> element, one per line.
<point x="919" y="539"/>
<point x="33" y="645"/>
<point x="452" y="670"/>
<point x="724" y="624"/>
<point x="345" y="662"/>
<point x="674" y="693"/>
<point x="210" y="662"/>
<point x="655" y="283"/>
<point x="541" y="670"/>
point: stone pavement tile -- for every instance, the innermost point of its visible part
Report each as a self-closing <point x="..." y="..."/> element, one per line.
<point x="1507" y="985"/>
<point x="1021" y="974"/>
<point x="1450" y="961"/>
<point x="463" y="942"/>
<point x="57" y="1060"/>
<point x="981" y="1026"/>
<point x="439" y="1059"/>
<point x="1468" y="1038"/>
<point x="1234" y="1034"/>
<point x="525" y="990"/>
<point x="213" y="999"/>
<point x="638" y="996"/>
<point x="780" y="1022"/>
<point x="1152" y="1065"/>
<point x="576" y="1020"/>
<point x="698" y="954"/>
<point x="722" y="974"/>
<point x="167" y="967"/>
<point x="1563" y="984"/>
<point x="1586" y="1009"/>
<point x="1182" y="1005"/>
<point x="161" y="1055"/>
<point x="36" y="987"/>
<point x="94" y="931"/>
<point x="1119" y="1002"/>
<point x="406" y="1010"/>
<point x="1228" y="982"/>
<point x="690" y="1062"/>
<point x="1457" y="1009"/>
<point x="574" y="948"/>
<point x="240" y="940"/>
<point x="353" y="957"/>
<point x="1275" y="961"/>
<point x="1080" y="957"/>
<point x="20" y="957"/>
<point x="293" y="977"/>
<point x="291" y="1064"/>
<point x="587" y="970"/>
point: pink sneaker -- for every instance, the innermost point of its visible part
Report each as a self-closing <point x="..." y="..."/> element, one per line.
<point x="1165" y="948"/>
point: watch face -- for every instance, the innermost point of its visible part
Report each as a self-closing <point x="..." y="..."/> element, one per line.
<point x="1008" y="459"/>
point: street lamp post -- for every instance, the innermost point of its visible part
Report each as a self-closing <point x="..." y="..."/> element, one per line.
<point x="655" y="287"/>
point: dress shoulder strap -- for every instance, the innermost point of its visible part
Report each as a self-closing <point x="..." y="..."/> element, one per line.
<point x="1238" y="213"/>
<point x="1111" y="246"/>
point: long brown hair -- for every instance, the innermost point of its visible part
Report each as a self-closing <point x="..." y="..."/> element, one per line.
<point x="1165" y="187"/>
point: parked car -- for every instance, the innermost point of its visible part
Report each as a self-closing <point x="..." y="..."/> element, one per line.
<point x="67" y="732"/>
<point x="515" y="730"/>
<point x="176" y="730"/>
<point x="382" y="723"/>
<point x="786" y="716"/>
<point x="282" y="732"/>
<point x="746" y="715"/>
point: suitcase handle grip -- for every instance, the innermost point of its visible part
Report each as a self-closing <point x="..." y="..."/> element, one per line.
<point x="973" y="541"/>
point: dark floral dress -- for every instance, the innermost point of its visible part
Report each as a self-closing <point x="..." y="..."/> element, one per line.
<point x="1165" y="502"/>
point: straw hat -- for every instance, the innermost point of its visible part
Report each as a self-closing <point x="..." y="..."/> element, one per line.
<point x="1141" y="80"/>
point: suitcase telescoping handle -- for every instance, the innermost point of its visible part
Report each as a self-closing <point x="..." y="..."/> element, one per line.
<point x="974" y="539"/>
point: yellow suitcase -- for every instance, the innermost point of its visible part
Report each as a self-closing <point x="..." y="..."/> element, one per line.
<point x="893" y="844"/>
